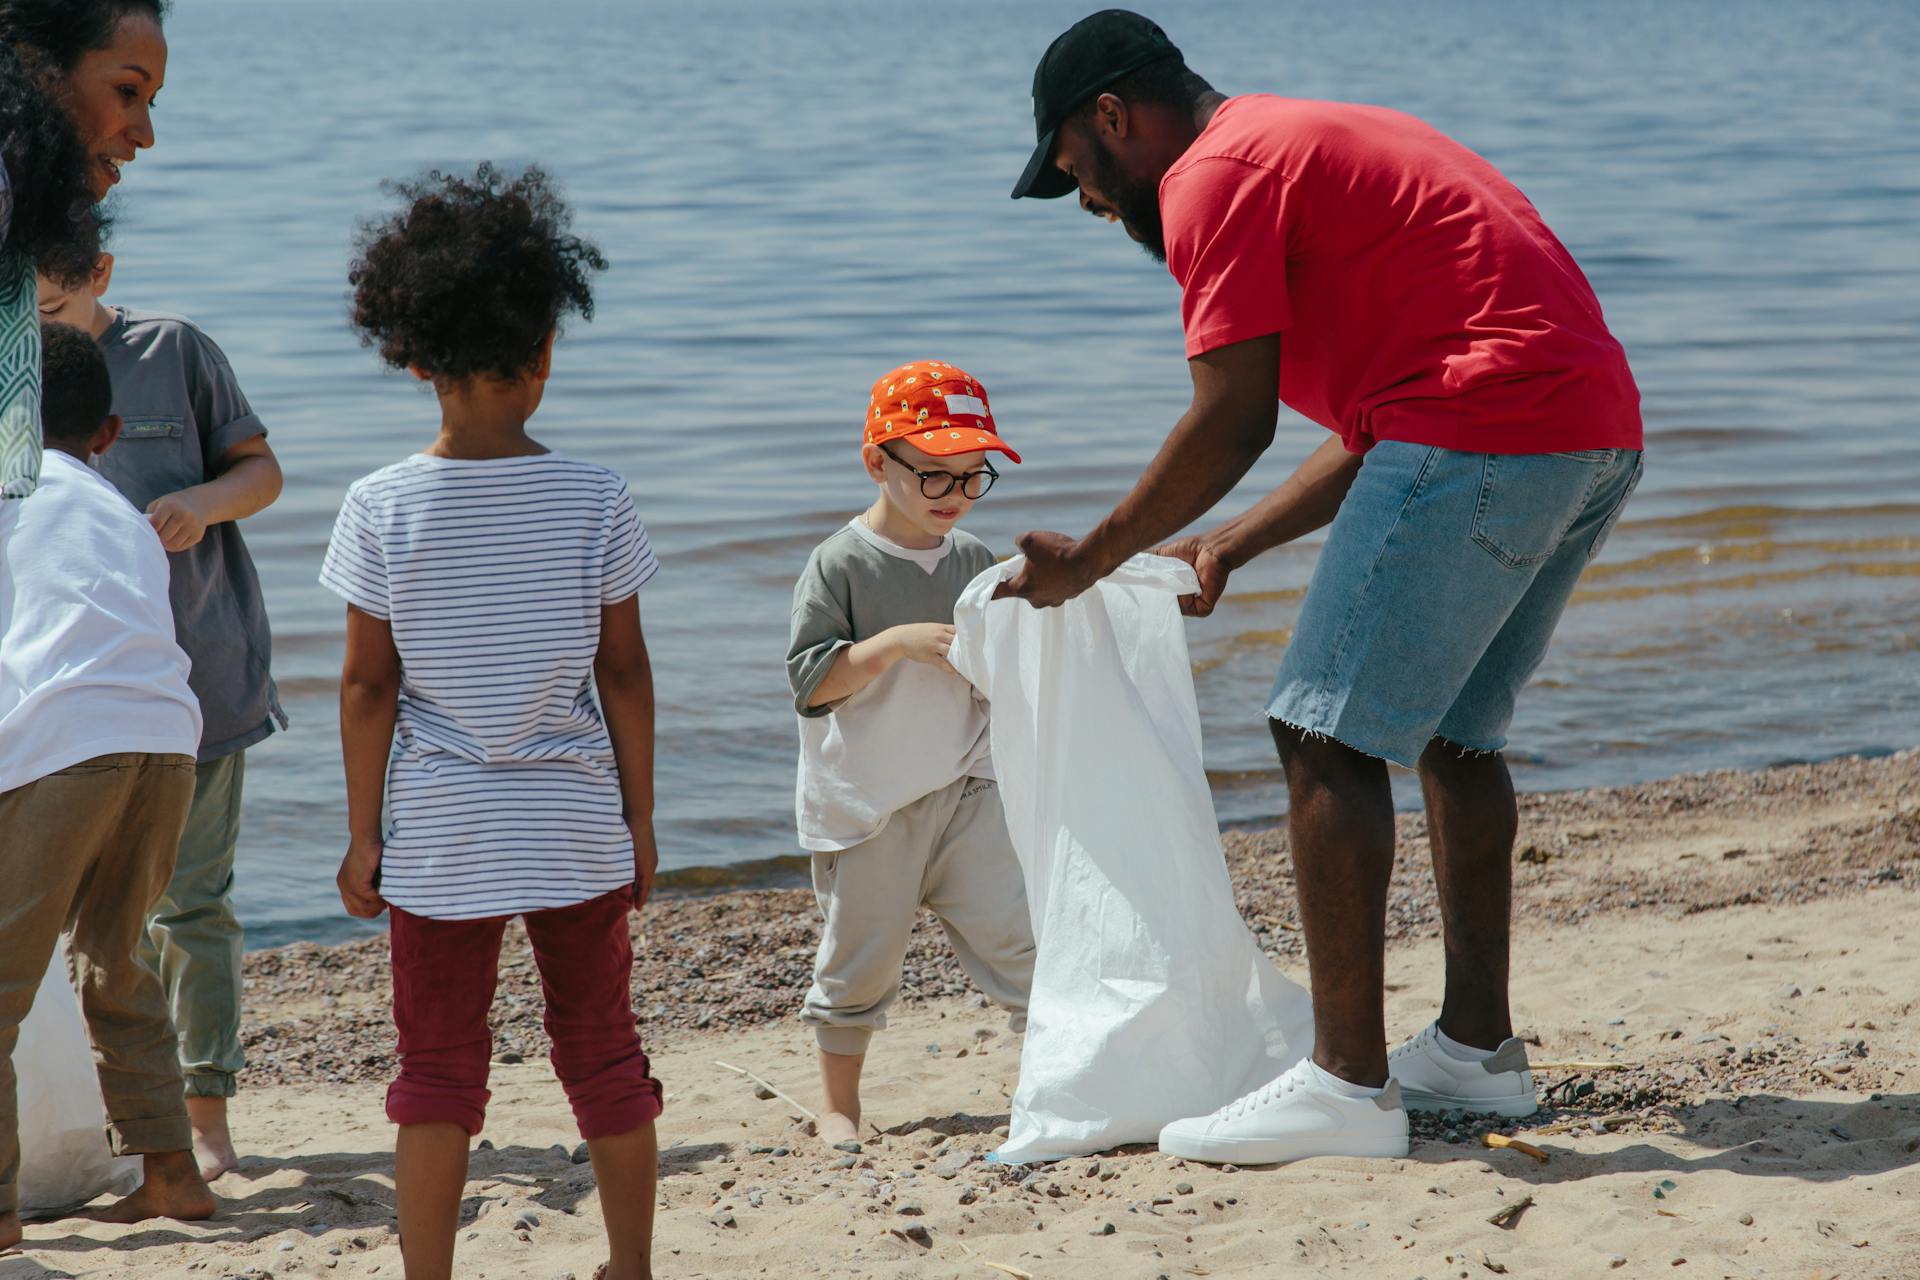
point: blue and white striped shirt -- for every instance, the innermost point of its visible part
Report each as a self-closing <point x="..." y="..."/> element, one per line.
<point x="502" y="791"/>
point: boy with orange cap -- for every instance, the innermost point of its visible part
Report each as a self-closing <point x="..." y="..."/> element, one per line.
<point x="896" y="798"/>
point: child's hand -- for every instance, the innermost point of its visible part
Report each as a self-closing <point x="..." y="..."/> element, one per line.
<point x="646" y="861"/>
<point x="178" y="520"/>
<point x="927" y="642"/>
<point x="359" y="871"/>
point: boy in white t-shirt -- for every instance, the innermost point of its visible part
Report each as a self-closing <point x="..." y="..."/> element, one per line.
<point x="896" y="798"/>
<point x="97" y="735"/>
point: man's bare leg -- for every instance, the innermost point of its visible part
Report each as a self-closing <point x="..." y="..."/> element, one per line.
<point x="1471" y="821"/>
<point x="840" y="1085"/>
<point x="1341" y="828"/>
<point x="173" y="1189"/>
<point x="212" y="1143"/>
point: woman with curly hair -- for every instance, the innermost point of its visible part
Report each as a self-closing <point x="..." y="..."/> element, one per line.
<point x="77" y="83"/>
<point x="491" y="590"/>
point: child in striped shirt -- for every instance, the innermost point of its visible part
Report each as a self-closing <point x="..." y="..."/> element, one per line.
<point x="490" y="588"/>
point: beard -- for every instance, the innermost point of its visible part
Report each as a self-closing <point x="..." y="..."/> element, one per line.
<point x="1137" y="202"/>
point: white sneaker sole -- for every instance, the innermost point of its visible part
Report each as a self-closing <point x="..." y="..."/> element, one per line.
<point x="1514" y="1106"/>
<point x="1281" y="1150"/>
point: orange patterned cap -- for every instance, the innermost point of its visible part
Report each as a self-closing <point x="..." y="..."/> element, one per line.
<point x="936" y="407"/>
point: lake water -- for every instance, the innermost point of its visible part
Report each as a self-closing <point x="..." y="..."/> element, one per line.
<point x="797" y="197"/>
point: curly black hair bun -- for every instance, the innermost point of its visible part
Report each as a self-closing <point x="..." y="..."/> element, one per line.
<point x="470" y="278"/>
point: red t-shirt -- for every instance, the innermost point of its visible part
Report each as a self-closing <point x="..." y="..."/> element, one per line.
<point x="1419" y="296"/>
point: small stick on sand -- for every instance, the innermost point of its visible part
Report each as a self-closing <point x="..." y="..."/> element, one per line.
<point x="1579" y="1066"/>
<point x="1512" y="1211"/>
<point x="1004" y="1269"/>
<point x="1498" y="1140"/>
<point x="769" y="1088"/>
<point x="1569" y="1126"/>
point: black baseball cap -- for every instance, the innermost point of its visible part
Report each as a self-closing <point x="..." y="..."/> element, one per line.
<point x="1086" y="58"/>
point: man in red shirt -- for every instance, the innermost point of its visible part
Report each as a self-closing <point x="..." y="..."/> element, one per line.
<point x="1391" y="285"/>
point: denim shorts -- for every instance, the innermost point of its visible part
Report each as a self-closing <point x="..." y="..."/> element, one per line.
<point x="1440" y="584"/>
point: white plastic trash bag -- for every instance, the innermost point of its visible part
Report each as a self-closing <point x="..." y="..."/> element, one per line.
<point x="1151" y="1000"/>
<point x="64" y="1157"/>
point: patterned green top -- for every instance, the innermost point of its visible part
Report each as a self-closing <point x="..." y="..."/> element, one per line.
<point x="19" y="378"/>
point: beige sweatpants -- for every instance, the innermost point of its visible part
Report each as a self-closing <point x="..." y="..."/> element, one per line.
<point x="947" y="852"/>
<point x="86" y="851"/>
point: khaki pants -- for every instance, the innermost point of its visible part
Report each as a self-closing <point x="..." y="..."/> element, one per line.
<point x="86" y="851"/>
<point x="193" y="940"/>
<point x="948" y="852"/>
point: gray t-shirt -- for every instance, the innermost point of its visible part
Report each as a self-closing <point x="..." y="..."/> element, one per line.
<point x="913" y="730"/>
<point x="181" y="409"/>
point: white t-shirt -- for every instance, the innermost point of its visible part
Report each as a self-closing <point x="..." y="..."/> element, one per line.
<point x="913" y="730"/>
<point x="88" y="666"/>
<point x="503" y="795"/>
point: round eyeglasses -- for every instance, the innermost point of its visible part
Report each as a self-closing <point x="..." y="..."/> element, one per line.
<point x="938" y="484"/>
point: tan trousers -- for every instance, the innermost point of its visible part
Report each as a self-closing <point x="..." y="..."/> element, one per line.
<point x="948" y="852"/>
<point x="86" y="851"/>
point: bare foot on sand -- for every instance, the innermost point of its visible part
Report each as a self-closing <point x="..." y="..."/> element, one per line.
<point x="605" y="1271"/>
<point x="10" y="1232"/>
<point x="173" y="1189"/>
<point x="840" y="1091"/>
<point x="837" y="1128"/>
<point x="212" y="1144"/>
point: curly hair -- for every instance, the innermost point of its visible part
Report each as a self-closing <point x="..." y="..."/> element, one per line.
<point x="63" y="31"/>
<point x="54" y="221"/>
<point x="470" y="278"/>
<point x="76" y="395"/>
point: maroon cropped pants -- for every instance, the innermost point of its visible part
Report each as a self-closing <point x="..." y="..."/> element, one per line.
<point x="444" y="974"/>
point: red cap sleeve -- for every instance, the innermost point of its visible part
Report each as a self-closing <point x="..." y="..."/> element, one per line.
<point x="1226" y="235"/>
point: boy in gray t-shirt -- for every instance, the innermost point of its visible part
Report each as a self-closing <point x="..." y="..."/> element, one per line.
<point x="896" y="798"/>
<point x="193" y="456"/>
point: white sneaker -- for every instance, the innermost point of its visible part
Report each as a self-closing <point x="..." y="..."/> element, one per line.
<point x="1292" y="1117"/>
<point x="1431" y="1079"/>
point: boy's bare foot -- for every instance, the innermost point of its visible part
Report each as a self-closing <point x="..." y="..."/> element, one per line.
<point x="840" y="1087"/>
<point x="837" y="1128"/>
<point x="212" y="1143"/>
<point x="10" y="1231"/>
<point x="173" y="1189"/>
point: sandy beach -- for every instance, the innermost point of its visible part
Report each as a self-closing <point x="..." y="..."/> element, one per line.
<point x="1737" y="949"/>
